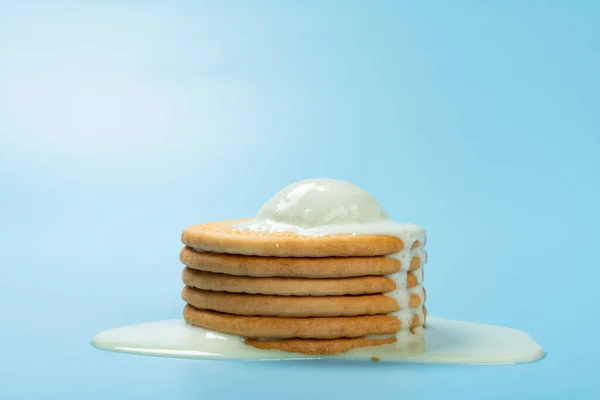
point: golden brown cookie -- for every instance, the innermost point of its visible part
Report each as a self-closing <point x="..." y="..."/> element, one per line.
<point x="219" y="237"/>
<point x="293" y="306"/>
<point x="317" y="346"/>
<point x="301" y="267"/>
<point x="290" y="327"/>
<point x="292" y="286"/>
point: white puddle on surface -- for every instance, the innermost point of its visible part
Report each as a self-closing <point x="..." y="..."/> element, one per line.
<point x="448" y="342"/>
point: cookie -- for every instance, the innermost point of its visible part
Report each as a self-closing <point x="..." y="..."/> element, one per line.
<point x="317" y="346"/>
<point x="293" y="306"/>
<point x="285" y="328"/>
<point x="293" y="286"/>
<point x="298" y="267"/>
<point x="219" y="237"/>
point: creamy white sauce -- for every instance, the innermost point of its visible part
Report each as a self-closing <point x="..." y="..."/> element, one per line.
<point x="320" y="202"/>
<point x="448" y="342"/>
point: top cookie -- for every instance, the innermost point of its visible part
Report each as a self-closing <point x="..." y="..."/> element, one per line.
<point x="219" y="237"/>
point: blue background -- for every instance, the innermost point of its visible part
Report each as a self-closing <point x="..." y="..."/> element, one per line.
<point x="121" y="124"/>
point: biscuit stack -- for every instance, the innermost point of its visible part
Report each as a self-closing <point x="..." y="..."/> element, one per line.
<point x="310" y="295"/>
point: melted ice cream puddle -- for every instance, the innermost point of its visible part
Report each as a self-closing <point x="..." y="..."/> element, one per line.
<point x="448" y="342"/>
<point x="322" y="207"/>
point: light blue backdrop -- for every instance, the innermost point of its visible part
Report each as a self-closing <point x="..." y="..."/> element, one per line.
<point x="121" y="123"/>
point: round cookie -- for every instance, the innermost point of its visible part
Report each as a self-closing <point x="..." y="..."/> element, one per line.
<point x="298" y="267"/>
<point x="285" y="328"/>
<point x="219" y="237"/>
<point x="292" y="286"/>
<point x="293" y="306"/>
<point x="317" y="346"/>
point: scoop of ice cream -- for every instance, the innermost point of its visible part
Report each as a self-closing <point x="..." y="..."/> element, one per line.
<point x="319" y="202"/>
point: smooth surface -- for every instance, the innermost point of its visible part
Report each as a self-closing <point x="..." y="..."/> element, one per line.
<point x="448" y="342"/>
<point x="122" y="123"/>
<point x="316" y="202"/>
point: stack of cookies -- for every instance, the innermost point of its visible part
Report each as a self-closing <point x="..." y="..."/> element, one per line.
<point x="303" y="294"/>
